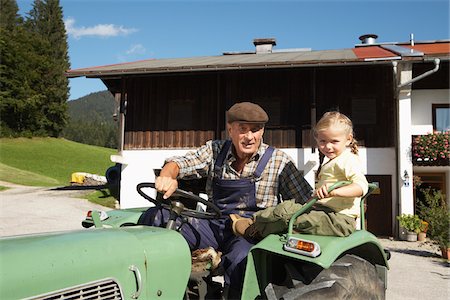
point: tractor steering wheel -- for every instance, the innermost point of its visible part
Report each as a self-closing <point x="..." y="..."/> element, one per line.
<point x="213" y="212"/>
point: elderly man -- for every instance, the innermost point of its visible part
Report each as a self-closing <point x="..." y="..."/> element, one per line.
<point x="243" y="175"/>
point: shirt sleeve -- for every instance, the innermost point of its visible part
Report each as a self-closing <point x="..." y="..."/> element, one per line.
<point x="354" y="173"/>
<point x="194" y="164"/>
<point x="292" y="184"/>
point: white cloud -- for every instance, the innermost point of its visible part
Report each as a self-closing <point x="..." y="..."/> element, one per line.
<point x="134" y="52"/>
<point x="136" y="49"/>
<point x="101" y="30"/>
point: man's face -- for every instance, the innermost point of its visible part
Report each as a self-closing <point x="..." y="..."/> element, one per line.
<point x="246" y="137"/>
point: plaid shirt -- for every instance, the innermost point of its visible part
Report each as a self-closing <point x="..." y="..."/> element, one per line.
<point x="281" y="180"/>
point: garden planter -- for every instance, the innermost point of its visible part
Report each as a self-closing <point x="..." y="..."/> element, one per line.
<point x="421" y="236"/>
<point x="406" y="235"/>
<point x="409" y="226"/>
<point x="411" y="236"/>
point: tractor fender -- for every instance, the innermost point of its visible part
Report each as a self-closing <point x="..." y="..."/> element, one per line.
<point x="360" y="243"/>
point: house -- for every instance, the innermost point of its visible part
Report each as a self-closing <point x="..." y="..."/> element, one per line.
<point x="389" y="89"/>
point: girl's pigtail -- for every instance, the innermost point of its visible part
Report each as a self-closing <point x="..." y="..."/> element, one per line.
<point x="354" y="146"/>
<point x="321" y="158"/>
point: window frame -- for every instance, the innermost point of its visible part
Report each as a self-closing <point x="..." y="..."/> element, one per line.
<point x="434" y="107"/>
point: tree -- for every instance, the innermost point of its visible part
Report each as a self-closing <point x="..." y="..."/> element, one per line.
<point x="50" y="63"/>
<point x="17" y="100"/>
<point x="33" y="62"/>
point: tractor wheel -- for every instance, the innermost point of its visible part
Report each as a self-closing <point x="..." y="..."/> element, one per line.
<point x="349" y="277"/>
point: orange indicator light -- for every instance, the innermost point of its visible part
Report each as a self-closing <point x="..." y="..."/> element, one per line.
<point x="305" y="246"/>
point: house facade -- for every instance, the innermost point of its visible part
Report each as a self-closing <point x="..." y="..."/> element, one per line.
<point x="390" y="90"/>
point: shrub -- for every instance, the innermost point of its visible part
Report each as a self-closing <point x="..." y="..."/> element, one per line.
<point x="437" y="214"/>
<point x="411" y="223"/>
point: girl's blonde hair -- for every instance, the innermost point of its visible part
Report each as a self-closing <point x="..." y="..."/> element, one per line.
<point x="335" y="118"/>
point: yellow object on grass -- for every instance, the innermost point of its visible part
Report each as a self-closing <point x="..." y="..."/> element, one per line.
<point x="78" y="177"/>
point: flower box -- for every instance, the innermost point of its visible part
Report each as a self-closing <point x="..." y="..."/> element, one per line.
<point x="431" y="149"/>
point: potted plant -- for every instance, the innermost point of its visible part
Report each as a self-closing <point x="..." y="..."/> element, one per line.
<point x="411" y="224"/>
<point x="435" y="211"/>
<point x="422" y="235"/>
<point x="431" y="149"/>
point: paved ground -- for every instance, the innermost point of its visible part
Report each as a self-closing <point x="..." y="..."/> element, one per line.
<point x="416" y="269"/>
<point x="25" y="209"/>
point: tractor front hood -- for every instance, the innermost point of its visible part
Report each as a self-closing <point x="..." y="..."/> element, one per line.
<point x="144" y="261"/>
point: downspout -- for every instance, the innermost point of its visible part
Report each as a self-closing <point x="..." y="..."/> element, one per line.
<point x="397" y="97"/>
<point x="437" y="61"/>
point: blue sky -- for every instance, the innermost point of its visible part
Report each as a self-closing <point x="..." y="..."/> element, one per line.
<point x="103" y="32"/>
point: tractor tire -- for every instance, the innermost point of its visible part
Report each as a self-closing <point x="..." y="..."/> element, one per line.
<point x="349" y="277"/>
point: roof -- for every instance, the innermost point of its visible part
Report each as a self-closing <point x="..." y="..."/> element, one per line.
<point x="362" y="53"/>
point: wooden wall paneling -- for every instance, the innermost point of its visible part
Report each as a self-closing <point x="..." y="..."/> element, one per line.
<point x="126" y="140"/>
<point x="335" y="87"/>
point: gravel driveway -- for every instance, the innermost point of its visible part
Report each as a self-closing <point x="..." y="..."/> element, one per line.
<point x="25" y="209"/>
<point x="416" y="269"/>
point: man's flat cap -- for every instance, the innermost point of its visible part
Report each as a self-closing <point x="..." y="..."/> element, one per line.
<point x="247" y="112"/>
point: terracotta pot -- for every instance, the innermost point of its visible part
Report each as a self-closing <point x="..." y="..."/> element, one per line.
<point x="445" y="252"/>
<point x="422" y="236"/>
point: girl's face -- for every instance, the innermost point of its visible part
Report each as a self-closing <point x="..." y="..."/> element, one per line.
<point x="333" y="141"/>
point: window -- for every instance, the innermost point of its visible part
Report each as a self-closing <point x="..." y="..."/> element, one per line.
<point x="441" y="117"/>
<point x="364" y="111"/>
<point x="181" y="114"/>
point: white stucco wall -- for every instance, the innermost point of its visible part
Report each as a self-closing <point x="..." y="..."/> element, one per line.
<point x="404" y="137"/>
<point x="138" y="167"/>
<point x="421" y="108"/>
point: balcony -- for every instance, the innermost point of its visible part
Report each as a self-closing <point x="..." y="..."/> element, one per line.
<point x="431" y="149"/>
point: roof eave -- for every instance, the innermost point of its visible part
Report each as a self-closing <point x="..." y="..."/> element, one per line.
<point x="184" y="69"/>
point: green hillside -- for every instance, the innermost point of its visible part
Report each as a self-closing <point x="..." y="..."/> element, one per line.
<point x="49" y="161"/>
<point x="91" y="120"/>
<point x="95" y="106"/>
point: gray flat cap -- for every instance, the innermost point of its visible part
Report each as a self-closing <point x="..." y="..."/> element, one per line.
<point x="247" y="112"/>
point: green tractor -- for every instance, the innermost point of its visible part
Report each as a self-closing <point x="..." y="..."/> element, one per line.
<point x="117" y="258"/>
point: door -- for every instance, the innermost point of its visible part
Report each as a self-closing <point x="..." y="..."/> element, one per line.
<point x="379" y="206"/>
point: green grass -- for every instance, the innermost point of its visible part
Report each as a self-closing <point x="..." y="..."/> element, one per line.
<point x="14" y="175"/>
<point x="102" y="197"/>
<point x="51" y="162"/>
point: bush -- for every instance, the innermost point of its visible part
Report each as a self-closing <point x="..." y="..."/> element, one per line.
<point x="411" y="223"/>
<point x="437" y="214"/>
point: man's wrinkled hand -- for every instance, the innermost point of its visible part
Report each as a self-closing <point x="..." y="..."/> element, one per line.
<point x="166" y="185"/>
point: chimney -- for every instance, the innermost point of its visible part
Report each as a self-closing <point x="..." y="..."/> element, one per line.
<point x="368" y="39"/>
<point x="264" y="45"/>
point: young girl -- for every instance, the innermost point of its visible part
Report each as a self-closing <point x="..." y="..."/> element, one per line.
<point x="335" y="213"/>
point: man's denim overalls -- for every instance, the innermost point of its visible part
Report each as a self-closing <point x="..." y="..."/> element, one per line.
<point x="231" y="196"/>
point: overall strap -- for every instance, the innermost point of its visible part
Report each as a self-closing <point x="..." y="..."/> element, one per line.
<point x="221" y="158"/>
<point x="263" y="162"/>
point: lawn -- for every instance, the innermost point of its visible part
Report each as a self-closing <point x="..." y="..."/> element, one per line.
<point x="50" y="162"/>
